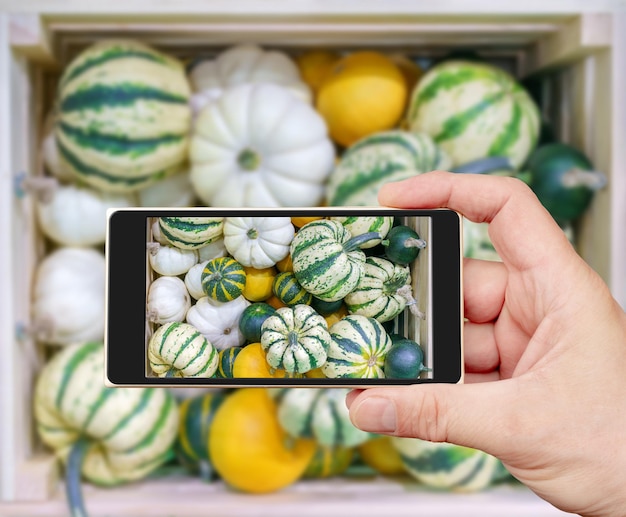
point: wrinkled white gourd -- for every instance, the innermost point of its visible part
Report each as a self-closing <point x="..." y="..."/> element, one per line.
<point x="168" y="300"/>
<point x="219" y="322"/>
<point x="157" y="235"/>
<point x="215" y="249"/>
<point x="193" y="280"/>
<point x="174" y="191"/>
<point x="170" y="261"/>
<point x="50" y="152"/>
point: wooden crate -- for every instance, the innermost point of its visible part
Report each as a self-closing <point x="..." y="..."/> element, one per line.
<point x="578" y="54"/>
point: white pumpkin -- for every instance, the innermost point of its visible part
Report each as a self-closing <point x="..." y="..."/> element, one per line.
<point x="76" y="216"/>
<point x="68" y="297"/>
<point x="258" y="146"/>
<point x="50" y="152"/>
<point x="168" y="300"/>
<point x="258" y="242"/>
<point x="170" y="261"/>
<point x="157" y="235"/>
<point x="215" y="249"/>
<point x="219" y="322"/>
<point x="175" y="191"/>
<point x="193" y="280"/>
<point x="245" y="64"/>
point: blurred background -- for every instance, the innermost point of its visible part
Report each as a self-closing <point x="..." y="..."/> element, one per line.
<point x="266" y="104"/>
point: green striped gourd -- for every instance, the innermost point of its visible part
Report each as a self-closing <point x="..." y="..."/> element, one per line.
<point x="122" y="116"/>
<point x="376" y="295"/>
<point x="180" y="350"/>
<point x="475" y="110"/>
<point x="192" y="445"/>
<point x="226" y="360"/>
<point x="447" y="466"/>
<point x="289" y="291"/>
<point x="223" y="279"/>
<point x="190" y="233"/>
<point x="328" y="462"/>
<point x="357" y="349"/>
<point x="378" y="159"/>
<point x="252" y="319"/>
<point x="327" y="260"/>
<point x="318" y="413"/>
<point x="295" y="339"/>
<point x="360" y="224"/>
<point x="110" y="435"/>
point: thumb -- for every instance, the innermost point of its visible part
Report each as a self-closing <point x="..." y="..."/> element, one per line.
<point x="482" y="416"/>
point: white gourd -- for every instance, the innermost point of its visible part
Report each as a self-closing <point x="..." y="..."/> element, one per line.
<point x="219" y="322"/>
<point x="170" y="261"/>
<point x="69" y="297"/>
<point x="168" y="300"/>
<point x="215" y="249"/>
<point x="157" y="235"/>
<point x="50" y="152"/>
<point x="76" y="216"/>
<point x="258" y="146"/>
<point x="193" y="280"/>
<point x="174" y="191"/>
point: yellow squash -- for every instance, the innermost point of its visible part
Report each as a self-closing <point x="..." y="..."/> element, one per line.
<point x="380" y="454"/>
<point x="251" y="363"/>
<point x="315" y="65"/>
<point x="258" y="283"/>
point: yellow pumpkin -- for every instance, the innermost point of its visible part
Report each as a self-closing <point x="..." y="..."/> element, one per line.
<point x="248" y="447"/>
<point x="329" y="462"/>
<point x="317" y="373"/>
<point x="380" y="454"/>
<point x="299" y="222"/>
<point x="411" y="71"/>
<point x="315" y="65"/>
<point x="333" y="318"/>
<point x="251" y="363"/>
<point x="285" y="265"/>
<point x="258" y="283"/>
<point x="275" y="302"/>
<point x="364" y="93"/>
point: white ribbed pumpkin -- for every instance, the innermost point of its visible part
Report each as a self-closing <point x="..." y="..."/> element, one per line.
<point x="219" y="321"/>
<point x="68" y="297"/>
<point x="170" y="261"/>
<point x="168" y="300"/>
<point x="50" y="152"/>
<point x="215" y="249"/>
<point x="76" y="216"/>
<point x="193" y="280"/>
<point x="175" y="191"/>
<point x="258" y="146"/>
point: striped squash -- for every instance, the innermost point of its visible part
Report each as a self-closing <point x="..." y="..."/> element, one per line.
<point x="192" y="446"/>
<point x="226" y="361"/>
<point x="289" y="291"/>
<point x="327" y="260"/>
<point x="328" y="462"/>
<point x="359" y="224"/>
<point x="180" y="350"/>
<point x="122" y="116"/>
<point x="447" y="466"/>
<point x="110" y="435"/>
<point x="474" y="110"/>
<point x="379" y="159"/>
<point x="191" y="233"/>
<point x="223" y="279"/>
<point x="357" y="349"/>
<point x="295" y="339"/>
<point x="376" y="295"/>
<point x="318" y="413"/>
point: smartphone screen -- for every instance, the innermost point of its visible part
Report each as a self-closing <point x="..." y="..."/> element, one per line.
<point x="299" y="297"/>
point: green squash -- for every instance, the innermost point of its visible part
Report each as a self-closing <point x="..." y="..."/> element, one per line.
<point x="358" y="225"/>
<point x="289" y="291"/>
<point x="295" y="339"/>
<point x="329" y="462"/>
<point x="358" y="348"/>
<point x="402" y="244"/>
<point x="326" y="308"/>
<point x="252" y="318"/>
<point x="226" y="360"/>
<point x="190" y="233"/>
<point x="223" y="279"/>
<point x="327" y="260"/>
<point x="404" y="360"/>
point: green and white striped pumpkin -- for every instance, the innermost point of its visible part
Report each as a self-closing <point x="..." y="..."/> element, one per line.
<point x="318" y="413"/>
<point x="223" y="279"/>
<point x="110" y="435"/>
<point x="180" y="350"/>
<point x="289" y="291"/>
<point x="327" y="260"/>
<point x="376" y="295"/>
<point x="360" y="224"/>
<point x="357" y="349"/>
<point x="295" y="339"/>
<point x="123" y="118"/>
<point x="447" y="466"/>
<point x="226" y="362"/>
<point x="378" y="159"/>
<point x="474" y="110"/>
<point x="190" y="233"/>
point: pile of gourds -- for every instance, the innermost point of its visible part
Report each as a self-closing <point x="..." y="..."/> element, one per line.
<point x="131" y="126"/>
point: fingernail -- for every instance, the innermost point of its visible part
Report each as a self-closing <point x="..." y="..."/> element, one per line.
<point x="376" y="415"/>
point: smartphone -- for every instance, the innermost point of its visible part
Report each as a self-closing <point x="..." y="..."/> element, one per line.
<point x="329" y="297"/>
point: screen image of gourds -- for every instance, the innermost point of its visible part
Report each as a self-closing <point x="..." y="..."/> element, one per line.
<point x="253" y="127"/>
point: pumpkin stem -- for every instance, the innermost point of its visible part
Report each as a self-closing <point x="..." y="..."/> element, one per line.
<point x="357" y="240"/>
<point x="576" y="177"/>
<point x="153" y="247"/>
<point x="170" y="373"/>
<point x="407" y="293"/>
<point x="42" y="187"/>
<point x="213" y="276"/>
<point x="248" y="160"/>
<point x="411" y="242"/>
<point x="73" y="469"/>
<point x="152" y="315"/>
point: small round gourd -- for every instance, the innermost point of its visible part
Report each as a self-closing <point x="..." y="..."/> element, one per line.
<point x="259" y="283"/>
<point x="404" y="360"/>
<point x="289" y="291"/>
<point x="327" y="260"/>
<point x="252" y="319"/>
<point x="402" y="244"/>
<point x="156" y="234"/>
<point x="357" y="349"/>
<point x="223" y="279"/>
<point x="226" y="362"/>
<point x="170" y="261"/>
<point x="329" y="462"/>
<point x="295" y="339"/>
<point x="218" y="322"/>
<point x="180" y="350"/>
<point x="259" y="242"/>
<point x="358" y="225"/>
<point x="326" y="308"/>
<point x="377" y="295"/>
<point x="193" y="280"/>
<point x="190" y="233"/>
<point x="168" y="300"/>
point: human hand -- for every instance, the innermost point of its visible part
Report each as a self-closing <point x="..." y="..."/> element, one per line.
<point x="545" y="354"/>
